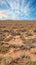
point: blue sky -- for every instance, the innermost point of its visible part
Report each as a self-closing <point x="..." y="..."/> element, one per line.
<point x="17" y="9"/>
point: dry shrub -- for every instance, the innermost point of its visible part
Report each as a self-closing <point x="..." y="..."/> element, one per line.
<point x="31" y="63"/>
<point x="29" y="34"/>
<point x="4" y="48"/>
<point x="6" y="61"/>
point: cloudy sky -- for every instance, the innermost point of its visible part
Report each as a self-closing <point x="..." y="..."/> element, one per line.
<point x="17" y="9"/>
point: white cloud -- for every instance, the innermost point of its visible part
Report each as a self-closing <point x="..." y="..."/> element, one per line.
<point x="16" y="9"/>
<point x="3" y="14"/>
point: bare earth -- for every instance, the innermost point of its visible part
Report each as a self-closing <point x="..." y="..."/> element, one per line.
<point x="17" y="42"/>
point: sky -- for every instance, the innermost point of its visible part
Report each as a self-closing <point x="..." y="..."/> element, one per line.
<point x="17" y="9"/>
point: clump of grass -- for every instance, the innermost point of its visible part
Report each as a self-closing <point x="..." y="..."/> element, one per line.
<point x="6" y="61"/>
<point x="15" y="33"/>
<point x="0" y="59"/>
<point x="2" y="36"/>
<point x="34" y="53"/>
<point x="34" y="30"/>
<point x="34" y="40"/>
<point x="4" y="48"/>
<point x="6" y="31"/>
<point x="1" y="43"/>
<point x="31" y="63"/>
<point x="8" y="39"/>
<point x="22" y="30"/>
<point x="29" y="34"/>
<point x="22" y="37"/>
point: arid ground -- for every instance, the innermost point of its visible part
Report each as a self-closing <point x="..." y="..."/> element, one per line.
<point x="17" y="42"/>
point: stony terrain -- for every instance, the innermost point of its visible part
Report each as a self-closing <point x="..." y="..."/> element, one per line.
<point x="17" y="42"/>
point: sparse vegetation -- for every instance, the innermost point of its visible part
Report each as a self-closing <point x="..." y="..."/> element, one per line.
<point x="18" y="43"/>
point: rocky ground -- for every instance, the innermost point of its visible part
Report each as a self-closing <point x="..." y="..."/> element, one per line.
<point x="18" y="43"/>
